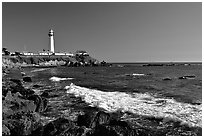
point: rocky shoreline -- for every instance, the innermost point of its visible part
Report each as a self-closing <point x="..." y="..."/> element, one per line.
<point x="53" y="61"/>
<point x="31" y="109"/>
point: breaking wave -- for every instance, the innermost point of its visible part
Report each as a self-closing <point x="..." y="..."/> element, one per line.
<point x="142" y="104"/>
<point x="138" y="74"/>
<point x="59" y="79"/>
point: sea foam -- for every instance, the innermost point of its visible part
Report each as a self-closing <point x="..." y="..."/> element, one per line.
<point x="142" y="104"/>
<point x="59" y="79"/>
<point x="138" y="74"/>
<point x="36" y="70"/>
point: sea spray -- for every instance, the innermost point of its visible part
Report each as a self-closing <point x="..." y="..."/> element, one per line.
<point x="142" y="104"/>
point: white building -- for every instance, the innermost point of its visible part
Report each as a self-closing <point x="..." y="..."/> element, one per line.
<point x="27" y="53"/>
<point x="81" y="52"/>
<point x="64" y="53"/>
<point x="51" y="41"/>
<point x="45" y="53"/>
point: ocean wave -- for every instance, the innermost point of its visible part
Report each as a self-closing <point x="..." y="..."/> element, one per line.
<point x="59" y="79"/>
<point x="36" y="70"/>
<point x="138" y="74"/>
<point x="142" y="104"/>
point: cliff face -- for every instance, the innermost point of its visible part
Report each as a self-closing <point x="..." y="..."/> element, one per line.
<point x="50" y="60"/>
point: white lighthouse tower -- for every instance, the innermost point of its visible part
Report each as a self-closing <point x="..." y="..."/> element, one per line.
<point x="51" y="41"/>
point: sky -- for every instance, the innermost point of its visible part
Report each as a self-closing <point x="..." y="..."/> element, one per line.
<point x="113" y="32"/>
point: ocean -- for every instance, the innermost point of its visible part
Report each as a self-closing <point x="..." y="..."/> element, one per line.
<point x="160" y="91"/>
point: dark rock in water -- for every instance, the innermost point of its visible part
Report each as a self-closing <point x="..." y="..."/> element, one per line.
<point x="27" y="79"/>
<point x="57" y="127"/>
<point x="167" y="78"/>
<point x="187" y="77"/>
<point x="182" y="77"/>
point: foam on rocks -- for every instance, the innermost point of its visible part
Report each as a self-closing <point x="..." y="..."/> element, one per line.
<point x="142" y="104"/>
<point x="56" y="79"/>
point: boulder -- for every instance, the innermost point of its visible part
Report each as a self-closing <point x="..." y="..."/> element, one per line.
<point x="41" y="103"/>
<point x="57" y="127"/>
<point x="27" y="79"/>
<point x="101" y="118"/>
<point x="21" y="124"/>
<point x="86" y="119"/>
<point x="15" y="85"/>
<point x="114" y="128"/>
<point x="75" y="131"/>
<point x="45" y="94"/>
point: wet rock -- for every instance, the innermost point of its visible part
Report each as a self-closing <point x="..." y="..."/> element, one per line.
<point x="104" y="130"/>
<point x="114" y="128"/>
<point x="86" y="119"/>
<point x="41" y="103"/>
<point x="104" y="124"/>
<point x="101" y="118"/>
<point x="75" y="131"/>
<point x="22" y="124"/>
<point x="15" y="85"/>
<point x="27" y="79"/>
<point x="57" y="127"/>
<point x="45" y="94"/>
<point x="93" y="119"/>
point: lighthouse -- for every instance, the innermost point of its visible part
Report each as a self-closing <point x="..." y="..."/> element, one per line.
<point x="51" y="41"/>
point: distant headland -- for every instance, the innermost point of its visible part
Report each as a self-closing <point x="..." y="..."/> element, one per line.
<point x="49" y="57"/>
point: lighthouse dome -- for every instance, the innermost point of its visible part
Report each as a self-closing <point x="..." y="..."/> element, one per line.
<point x="51" y="31"/>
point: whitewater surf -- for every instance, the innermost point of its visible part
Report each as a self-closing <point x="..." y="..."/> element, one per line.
<point x="142" y="104"/>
